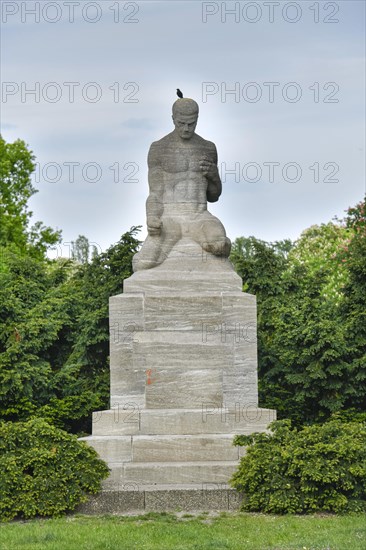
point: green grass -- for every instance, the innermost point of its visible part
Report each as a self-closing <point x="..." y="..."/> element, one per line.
<point x="204" y="532"/>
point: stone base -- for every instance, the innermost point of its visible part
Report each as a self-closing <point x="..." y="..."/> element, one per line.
<point x="188" y="498"/>
<point x="183" y="362"/>
<point x="187" y="269"/>
<point x="173" y="447"/>
<point x="172" y="351"/>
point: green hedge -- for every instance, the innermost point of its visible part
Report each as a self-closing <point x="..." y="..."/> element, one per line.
<point x="316" y="468"/>
<point x="44" y="471"/>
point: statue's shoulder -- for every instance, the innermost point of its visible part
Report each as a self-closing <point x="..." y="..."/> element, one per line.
<point x="206" y="147"/>
<point x="156" y="148"/>
<point x="161" y="142"/>
<point x="205" y="143"/>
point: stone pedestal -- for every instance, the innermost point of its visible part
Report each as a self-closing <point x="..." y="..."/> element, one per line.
<point x="183" y="360"/>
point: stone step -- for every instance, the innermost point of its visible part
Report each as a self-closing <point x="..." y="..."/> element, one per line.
<point x="169" y="473"/>
<point x="111" y="448"/>
<point x="209" y="419"/>
<point x="165" y="448"/>
<point x="188" y="268"/>
<point x="130" y="499"/>
<point x="182" y="448"/>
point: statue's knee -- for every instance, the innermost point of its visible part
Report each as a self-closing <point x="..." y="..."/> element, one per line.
<point x="139" y="263"/>
<point x="219" y="247"/>
<point x="147" y="257"/>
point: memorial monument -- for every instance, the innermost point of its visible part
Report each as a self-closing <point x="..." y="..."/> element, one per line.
<point x="183" y="351"/>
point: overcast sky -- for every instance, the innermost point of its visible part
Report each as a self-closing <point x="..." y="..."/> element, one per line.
<point x="280" y="87"/>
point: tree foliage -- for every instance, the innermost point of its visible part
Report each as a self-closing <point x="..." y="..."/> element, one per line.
<point x="353" y="308"/>
<point x="311" y="317"/>
<point x="260" y="264"/>
<point x="54" y="336"/>
<point x="16" y="167"/>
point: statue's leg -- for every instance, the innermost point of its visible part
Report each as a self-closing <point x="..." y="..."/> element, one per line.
<point x="208" y="231"/>
<point x="148" y="255"/>
<point x="171" y="233"/>
<point x="156" y="248"/>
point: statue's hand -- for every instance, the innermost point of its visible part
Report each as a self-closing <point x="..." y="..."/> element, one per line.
<point x="208" y="168"/>
<point x="154" y="226"/>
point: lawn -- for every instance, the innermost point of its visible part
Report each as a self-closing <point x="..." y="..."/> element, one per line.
<point x="181" y="532"/>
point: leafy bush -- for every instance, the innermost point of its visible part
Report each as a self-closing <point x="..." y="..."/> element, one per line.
<point x="44" y="470"/>
<point x="316" y="468"/>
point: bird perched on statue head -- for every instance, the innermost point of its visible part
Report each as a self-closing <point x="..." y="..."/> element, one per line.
<point x="179" y="93"/>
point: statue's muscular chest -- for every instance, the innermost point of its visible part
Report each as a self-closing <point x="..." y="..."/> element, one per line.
<point x="177" y="160"/>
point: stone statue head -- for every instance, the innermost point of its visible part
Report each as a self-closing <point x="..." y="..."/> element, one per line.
<point x="185" y="115"/>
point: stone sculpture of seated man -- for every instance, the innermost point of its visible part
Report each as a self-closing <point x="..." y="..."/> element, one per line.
<point x="183" y="176"/>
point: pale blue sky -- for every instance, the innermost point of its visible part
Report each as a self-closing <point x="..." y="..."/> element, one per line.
<point x="170" y="46"/>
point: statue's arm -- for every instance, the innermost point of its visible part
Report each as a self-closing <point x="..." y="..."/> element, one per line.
<point x="214" y="186"/>
<point x="154" y="202"/>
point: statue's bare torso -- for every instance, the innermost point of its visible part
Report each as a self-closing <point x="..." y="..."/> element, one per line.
<point x="179" y="167"/>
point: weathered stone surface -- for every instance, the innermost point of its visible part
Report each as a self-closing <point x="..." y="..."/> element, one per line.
<point x="186" y="270"/>
<point x="239" y="398"/>
<point x="172" y="472"/>
<point x="235" y="377"/>
<point x="182" y="370"/>
<point x="235" y="500"/>
<point x="185" y="332"/>
<point x="129" y="381"/>
<point x="114" y="502"/>
<point x="125" y="321"/>
<point x="180" y="350"/>
<point x="119" y="421"/>
<point x="182" y="312"/>
<point x="210" y="419"/>
<point x="125" y="317"/>
<point x="126" y="401"/>
<point x="187" y="498"/>
<point x="184" y="388"/>
<point x="173" y="448"/>
<point x="111" y="448"/>
<point x="164" y="448"/>
<point x="239" y="308"/>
